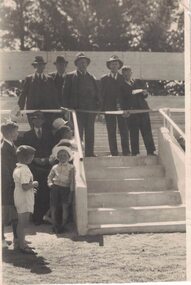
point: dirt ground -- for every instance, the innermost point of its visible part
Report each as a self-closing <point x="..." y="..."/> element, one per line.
<point x="121" y="258"/>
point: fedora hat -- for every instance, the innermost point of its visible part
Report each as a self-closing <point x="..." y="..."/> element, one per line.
<point x="38" y="59"/>
<point x="114" y="58"/>
<point x="79" y="56"/>
<point x="60" y="59"/>
<point x="37" y="115"/>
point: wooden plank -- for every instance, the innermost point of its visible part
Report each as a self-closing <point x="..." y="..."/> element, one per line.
<point x="15" y="65"/>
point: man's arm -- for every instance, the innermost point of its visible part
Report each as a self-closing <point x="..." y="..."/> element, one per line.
<point x="66" y="90"/>
<point x="24" y="93"/>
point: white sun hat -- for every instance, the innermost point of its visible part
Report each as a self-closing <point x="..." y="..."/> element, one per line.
<point x="56" y="149"/>
<point x="59" y="123"/>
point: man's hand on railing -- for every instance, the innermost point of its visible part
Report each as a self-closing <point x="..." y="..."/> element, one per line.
<point x="126" y="114"/>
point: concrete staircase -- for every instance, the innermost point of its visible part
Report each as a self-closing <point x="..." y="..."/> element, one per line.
<point x="130" y="194"/>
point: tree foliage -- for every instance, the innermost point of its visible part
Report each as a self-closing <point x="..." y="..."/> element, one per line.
<point x="123" y="25"/>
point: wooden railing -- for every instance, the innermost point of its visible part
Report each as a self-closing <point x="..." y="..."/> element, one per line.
<point x="169" y="123"/>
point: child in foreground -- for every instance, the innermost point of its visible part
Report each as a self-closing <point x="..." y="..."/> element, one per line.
<point x="24" y="193"/>
<point x="61" y="182"/>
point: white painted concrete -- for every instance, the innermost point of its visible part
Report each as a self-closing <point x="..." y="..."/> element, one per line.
<point x="172" y="158"/>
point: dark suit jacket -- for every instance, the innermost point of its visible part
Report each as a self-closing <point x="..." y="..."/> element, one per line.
<point x="111" y="92"/>
<point x="71" y="96"/>
<point x="43" y="145"/>
<point x="58" y="83"/>
<point x="136" y="101"/>
<point x="38" y="94"/>
<point x="8" y="164"/>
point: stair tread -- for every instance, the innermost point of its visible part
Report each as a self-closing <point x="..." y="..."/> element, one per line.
<point x="101" y="209"/>
<point x="93" y="226"/>
<point x="133" y="192"/>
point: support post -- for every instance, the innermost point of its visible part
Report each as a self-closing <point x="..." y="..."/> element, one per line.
<point x="187" y="64"/>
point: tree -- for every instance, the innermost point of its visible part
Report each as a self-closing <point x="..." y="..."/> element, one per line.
<point x="147" y="25"/>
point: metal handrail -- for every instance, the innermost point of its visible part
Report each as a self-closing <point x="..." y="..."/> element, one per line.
<point x="173" y="125"/>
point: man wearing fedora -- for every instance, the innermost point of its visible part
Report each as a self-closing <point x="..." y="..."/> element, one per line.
<point x="111" y="94"/>
<point x="38" y="90"/>
<point x="58" y="76"/>
<point x="80" y="92"/>
<point x="42" y="140"/>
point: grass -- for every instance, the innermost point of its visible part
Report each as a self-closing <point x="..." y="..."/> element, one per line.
<point x="124" y="258"/>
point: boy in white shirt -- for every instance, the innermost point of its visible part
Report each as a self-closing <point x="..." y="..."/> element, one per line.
<point x="61" y="181"/>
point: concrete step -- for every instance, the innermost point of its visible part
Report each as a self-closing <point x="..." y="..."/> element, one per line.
<point x="155" y="227"/>
<point x="132" y="215"/>
<point x="133" y="199"/>
<point x="128" y="185"/>
<point x="120" y="161"/>
<point x="123" y="172"/>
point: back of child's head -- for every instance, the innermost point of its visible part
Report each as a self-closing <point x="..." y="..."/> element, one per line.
<point x="7" y="128"/>
<point x="24" y="153"/>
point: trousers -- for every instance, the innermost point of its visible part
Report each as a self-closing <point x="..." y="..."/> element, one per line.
<point x="111" y="123"/>
<point x="86" y="128"/>
<point x="141" y="122"/>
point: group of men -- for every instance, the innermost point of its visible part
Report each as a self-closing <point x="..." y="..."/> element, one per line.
<point x="79" y="90"/>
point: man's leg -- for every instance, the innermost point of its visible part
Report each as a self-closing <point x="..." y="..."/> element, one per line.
<point x="80" y="119"/>
<point x="134" y="134"/>
<point x="89" y="134"/>
<point x="146" y="131"/>
<point x="111" y="131"/>
<point x="124" y="133"/>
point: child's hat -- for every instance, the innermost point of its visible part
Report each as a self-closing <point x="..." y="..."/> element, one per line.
<point x="58" y="124"/>
<point x="56" y="150"/>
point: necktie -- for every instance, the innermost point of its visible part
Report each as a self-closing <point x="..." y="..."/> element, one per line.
<point x="39" y="133"/>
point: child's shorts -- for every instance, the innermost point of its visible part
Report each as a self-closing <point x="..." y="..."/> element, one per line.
<point x="59" y="195"/>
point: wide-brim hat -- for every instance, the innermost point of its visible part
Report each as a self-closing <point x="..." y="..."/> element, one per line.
<point x="38" y="60"/>
<point x="114" y="58"/>
<point x="56" y="150"/>
<point x="58" y="124"/>
<point x="60" y="59"/>
<point x="80" y="56"/>
<point x="37" y="115"/>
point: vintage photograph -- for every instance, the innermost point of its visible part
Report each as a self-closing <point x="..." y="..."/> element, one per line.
<point x="94" y="141"/>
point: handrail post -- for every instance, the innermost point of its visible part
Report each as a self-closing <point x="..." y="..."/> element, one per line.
<point x="81" y="196"/>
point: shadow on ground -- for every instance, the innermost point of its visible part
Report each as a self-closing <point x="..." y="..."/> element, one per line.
<point x="36" y="264"/>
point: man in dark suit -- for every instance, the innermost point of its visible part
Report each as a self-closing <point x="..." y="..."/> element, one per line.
<point x="111" y="93"/>
<point x="9" y="131"/>
<point x="134" y="98"/>
<point x="80" y="92"/>
<point x="58" y="76"/>
<point x="38" y="90"/>
<point x="41" y="139"/>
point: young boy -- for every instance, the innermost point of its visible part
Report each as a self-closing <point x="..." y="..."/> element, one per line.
<point x="24" y="193"/>
<point x="61" y="182"/>
<point x="9" y="132"/>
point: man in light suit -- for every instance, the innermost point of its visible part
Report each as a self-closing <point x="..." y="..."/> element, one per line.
<point x="111" y="93"/>
<point x="38" y="91"/>
<point x="80" y="92"/>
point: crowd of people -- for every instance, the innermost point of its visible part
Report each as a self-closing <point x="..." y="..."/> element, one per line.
<point x="38" y="175"/>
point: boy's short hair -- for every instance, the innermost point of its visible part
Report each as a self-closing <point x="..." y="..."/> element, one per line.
<point x="7" y="127"/>
<point x="24" y="152"/>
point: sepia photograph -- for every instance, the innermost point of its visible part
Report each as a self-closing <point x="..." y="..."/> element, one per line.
<point x="95" y="105"/>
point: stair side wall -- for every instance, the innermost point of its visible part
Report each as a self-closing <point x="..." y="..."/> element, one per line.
<point x="172" y="157"/>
